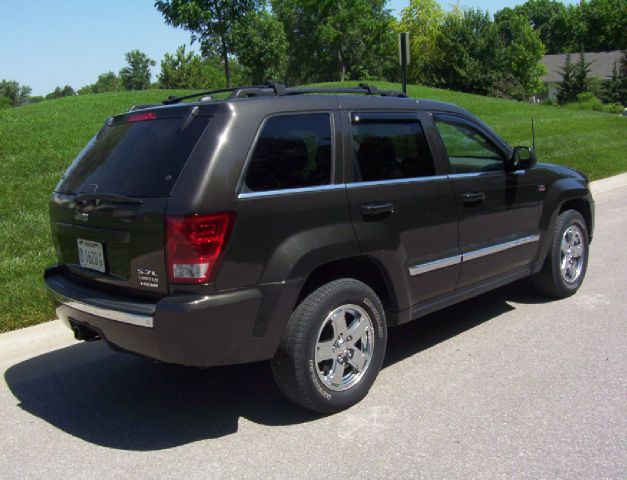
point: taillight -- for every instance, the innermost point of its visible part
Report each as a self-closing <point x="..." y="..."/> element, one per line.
<point x="194" y="244"/>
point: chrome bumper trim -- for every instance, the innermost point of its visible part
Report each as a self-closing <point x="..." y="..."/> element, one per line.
<point x="146" y="321"/>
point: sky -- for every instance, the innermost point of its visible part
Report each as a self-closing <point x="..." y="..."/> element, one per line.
<point x="46" y="43"/>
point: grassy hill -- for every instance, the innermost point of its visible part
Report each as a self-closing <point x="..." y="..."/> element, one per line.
<point x="37" y="143"/>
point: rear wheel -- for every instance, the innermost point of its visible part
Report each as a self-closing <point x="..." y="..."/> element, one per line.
<point x="565" y="267"/>
<point x="333" y="347"/>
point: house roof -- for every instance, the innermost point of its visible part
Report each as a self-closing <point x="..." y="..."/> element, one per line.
<point x="601" y="64"/>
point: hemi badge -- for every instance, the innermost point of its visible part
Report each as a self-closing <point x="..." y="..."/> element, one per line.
<point x="542" y="188"/>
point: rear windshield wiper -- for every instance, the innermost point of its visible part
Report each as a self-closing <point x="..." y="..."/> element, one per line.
<point x="95" y="198"/>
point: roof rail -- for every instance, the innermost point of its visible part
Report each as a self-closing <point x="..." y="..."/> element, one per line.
<point x="279" y="89"/>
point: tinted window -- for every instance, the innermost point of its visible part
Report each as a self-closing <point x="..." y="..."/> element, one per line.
<point x="292" y="151"/>
<point x="136" y="159"/>
<point x="391" y="149"/>
<point x="468" y="149"/>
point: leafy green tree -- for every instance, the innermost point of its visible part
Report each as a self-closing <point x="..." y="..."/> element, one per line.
<point x="605" y="25"/>
<point x="338" y="39"/>
<point x="469" y="53"/>
<point x="423" y="20"/>
<point x="550" y="19"/>
<point x="261" y="46"/>
<point x="59" y="92"/>
<point x="16" y="93"/>
<point x="136" y="75"/>
<point x="210" y="21"/>
<point x="567" y="90"/>
<point x="593" y="25"/>
<point x="35" y="99"/>
<point x="5" y="102"/>
<point x="522" y="55"/>
<point x="189" y="70"/>
<point x="107" y="82"/>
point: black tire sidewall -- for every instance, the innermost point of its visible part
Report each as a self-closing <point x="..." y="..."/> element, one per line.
<point x="565" y="220"/>
<point x="347" y="292"/>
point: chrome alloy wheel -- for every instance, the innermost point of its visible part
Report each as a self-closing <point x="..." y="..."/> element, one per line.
<point x="572" y="254"/>
<point x="344" y="347"/>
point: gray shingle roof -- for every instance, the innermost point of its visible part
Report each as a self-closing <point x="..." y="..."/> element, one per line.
<point x="601" y="66"/>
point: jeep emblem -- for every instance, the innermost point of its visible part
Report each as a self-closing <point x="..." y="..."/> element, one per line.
<point x="81" y="216"/>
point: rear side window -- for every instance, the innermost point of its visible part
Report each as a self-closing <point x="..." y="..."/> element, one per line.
<point x="292" y="151"/>
<point x="390" y="147"/>
<point x="142" y="158"/>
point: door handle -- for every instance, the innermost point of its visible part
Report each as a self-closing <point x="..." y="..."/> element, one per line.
<point x="473" y="197"/>
<point x="377" y="209"/>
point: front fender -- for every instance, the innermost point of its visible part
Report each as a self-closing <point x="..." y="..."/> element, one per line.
<point x="559" y="193"/>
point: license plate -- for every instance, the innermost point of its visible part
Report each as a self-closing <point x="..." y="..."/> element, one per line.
<point x="91" y="255"/>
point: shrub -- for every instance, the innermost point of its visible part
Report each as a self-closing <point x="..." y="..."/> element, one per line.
<point x="614" y="108"/>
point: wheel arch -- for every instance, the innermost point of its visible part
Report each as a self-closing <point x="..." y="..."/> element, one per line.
<point x="363" y="268"/>
<point x="564" y="195"/>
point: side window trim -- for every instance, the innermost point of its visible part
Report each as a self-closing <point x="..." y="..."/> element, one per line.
<point x="385" y="116"/>
<point x="242" y="191"/>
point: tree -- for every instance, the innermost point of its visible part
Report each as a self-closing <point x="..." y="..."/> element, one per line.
<point x="567" y="91"/>
<point x="136" y="75"/>
<point x="613" y="91"/>
<point x="580" y="75"/>
<point x="5" y="102"/>
<point x="261" y="46"/>
<point x="605" y="24"/>
<point x="469" y="53"/>
<point x="337" y="39"/>
<point x="423" y="20"/>
<point x="16" y="93"/>
<point x="522" y="55"/>
<point x="107" y="82"/>
<point x="59" y="92"/>
<point x="210" y="21"/>
<point x="188" y="70"/>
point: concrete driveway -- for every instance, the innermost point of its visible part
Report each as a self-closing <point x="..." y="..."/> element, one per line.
<point x="504" y="385"/>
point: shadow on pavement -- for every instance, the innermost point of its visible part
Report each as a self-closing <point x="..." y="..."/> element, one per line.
<point x="125" y="402"/>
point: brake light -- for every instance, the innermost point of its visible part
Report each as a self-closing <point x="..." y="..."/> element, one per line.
<point x="140" y="117"/>
<point x="194" y="244"/>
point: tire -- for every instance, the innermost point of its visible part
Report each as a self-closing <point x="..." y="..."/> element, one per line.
<point x="565" y="267"/>
<point x="319" y="365"/>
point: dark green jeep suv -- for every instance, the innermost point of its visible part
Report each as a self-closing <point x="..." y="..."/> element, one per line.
<point x="296" y="225"/>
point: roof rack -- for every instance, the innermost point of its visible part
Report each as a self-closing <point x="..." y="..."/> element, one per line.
<point x="279" y="89"/>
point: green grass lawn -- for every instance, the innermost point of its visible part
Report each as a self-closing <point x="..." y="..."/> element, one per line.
<point x="37" y="143"/>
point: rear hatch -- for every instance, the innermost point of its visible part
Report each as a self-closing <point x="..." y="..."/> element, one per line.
<point x="107" y="211"/>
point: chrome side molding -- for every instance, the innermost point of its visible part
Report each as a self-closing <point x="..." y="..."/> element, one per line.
<point x="430" y="266"/>
<point x="465" y="257"/>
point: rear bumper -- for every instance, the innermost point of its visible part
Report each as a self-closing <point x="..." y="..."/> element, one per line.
<point x="194" y="330"/>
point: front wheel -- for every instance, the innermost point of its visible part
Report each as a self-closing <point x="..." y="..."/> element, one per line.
<point x="565" y="267"/>
<point x="333" y="347"/>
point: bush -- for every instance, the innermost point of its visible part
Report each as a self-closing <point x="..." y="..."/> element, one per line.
<point x="614" y="108"/>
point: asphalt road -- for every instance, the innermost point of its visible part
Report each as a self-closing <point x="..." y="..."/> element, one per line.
<point x="504" y="385"/>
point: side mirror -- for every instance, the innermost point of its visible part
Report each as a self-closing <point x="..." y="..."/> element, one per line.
<point x="522" y="158"/>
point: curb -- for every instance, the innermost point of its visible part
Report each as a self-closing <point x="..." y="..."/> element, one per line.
<point x="31" y="340"/>
<point x="55" y="334"/>
<point x="608" y="184"/>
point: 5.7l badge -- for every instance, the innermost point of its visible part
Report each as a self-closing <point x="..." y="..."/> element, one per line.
<point x="148" y="278"/>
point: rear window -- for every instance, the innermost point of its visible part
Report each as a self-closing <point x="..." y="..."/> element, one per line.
<point x="142" y="159"/>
